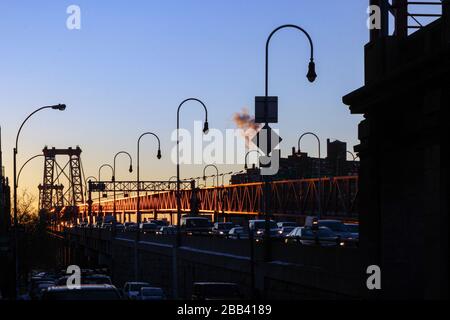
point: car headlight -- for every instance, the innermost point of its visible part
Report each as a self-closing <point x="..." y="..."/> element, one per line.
<point x="280" y="232"/>
<point x="221" y="232"/>
<point x="342" y="244"/>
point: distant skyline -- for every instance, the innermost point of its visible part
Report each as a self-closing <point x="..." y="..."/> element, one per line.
<point x="133" y="62"/>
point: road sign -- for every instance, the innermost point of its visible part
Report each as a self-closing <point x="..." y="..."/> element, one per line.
<point x="266" y="109"/>
<point x="266" y="139"/>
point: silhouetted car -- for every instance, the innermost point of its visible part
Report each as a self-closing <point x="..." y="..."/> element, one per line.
<point x="130" y="226"/>
<point x="195" y="225"/>
<point x="284" y="231"/>
<point x="96" y="279"/>
<point x="167" y="230"/>
<point x="222" y="229"/>
<point x="287" y="224"/>
<point x="215" y="291"/>
<point x="37" y="286"/>
<point x="119" y="227"/>
<point x="337" y="226"/>
<point x="311" y="237"/>
<point x="151" y="293"/>
<point x="353" y="229"/>
<point x="132" y="289"/>
<point x="149" y="228"/>
<point x="160" y="223"/>
<point x="258" y="227"/>
<point x="238" y="233"/>
<point x="85" y="292"/>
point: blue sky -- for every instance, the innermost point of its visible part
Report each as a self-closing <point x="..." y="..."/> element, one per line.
<point x="133" y="62"/>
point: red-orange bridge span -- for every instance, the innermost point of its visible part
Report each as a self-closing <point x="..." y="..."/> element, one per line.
<point x="289" y="198"/>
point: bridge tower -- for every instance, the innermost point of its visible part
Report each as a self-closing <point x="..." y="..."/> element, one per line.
<point x="55" y="173"/>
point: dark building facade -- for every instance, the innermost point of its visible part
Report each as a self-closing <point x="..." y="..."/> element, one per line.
<point x="403" y="192"/>
<point x="298" y="165"/>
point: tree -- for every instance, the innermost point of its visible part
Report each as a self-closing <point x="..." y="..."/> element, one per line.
<point x="26" y="210"/>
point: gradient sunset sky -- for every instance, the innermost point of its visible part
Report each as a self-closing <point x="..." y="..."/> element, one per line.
<point x="133" y="62"/>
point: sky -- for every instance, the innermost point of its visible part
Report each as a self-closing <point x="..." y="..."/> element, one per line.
<point x="132" y="62"/>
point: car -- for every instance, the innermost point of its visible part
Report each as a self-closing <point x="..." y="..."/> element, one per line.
<point x="86" y="278"/>
<point x="130" y="227"/>
<point x="195" y="225"/>
<point x="258" y="227"/>
<point x="238" y="233"/>
<point x="41" y="289"/>
<point x="37" y="286"/>
<point x="222" y="229"/>
<point x="286" y="224"/>
<point x="96" y="279"/>
<point x="167" y="230"/>
<point x="284" y="231"/>
<point x="337" y="226"/>
<point x="106" y="225"/>
<point x="148" y="228"/>
<point x="353" y="229"/>
<point x="160" y="223"/>
<point x="215" y="291"/>
<point x="119" y="227"/>
<point x="85" y="292"/>
<point x="132" y="289"/>
<point x="151" y="293"/>
<point x="322" y="236"/>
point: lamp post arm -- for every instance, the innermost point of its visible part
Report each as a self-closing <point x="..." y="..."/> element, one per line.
<point x="267" y="49"/>
<point x="20" y="171"/>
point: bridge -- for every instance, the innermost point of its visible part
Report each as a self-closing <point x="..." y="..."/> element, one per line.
<point x="292" y="199"/>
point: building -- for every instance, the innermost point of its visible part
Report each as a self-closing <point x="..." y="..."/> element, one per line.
<point x="298" y="165"/>
<point x="403" y="194"/>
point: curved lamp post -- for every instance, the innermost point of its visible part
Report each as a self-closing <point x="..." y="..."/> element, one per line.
<point x="158" y="155"/>
<point x="178" y="236"/>
<point x="114" y="178"/>
<point x="205" y="130"/>
<point x="319" y="168"/>
<point x="311" y="75"/>
<point x="353" y="155"/>
<point x="217" y="173"/>
<point x="29" y="160"/>
<point x="99" y="179"/>
<point x="246" y="156"/>
<point x="224" y="174"/>
<point x="60" y="107"/>
<point x="86" y="183"/>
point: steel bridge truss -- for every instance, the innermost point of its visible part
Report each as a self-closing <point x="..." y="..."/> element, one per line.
<point x="289" y="197"/>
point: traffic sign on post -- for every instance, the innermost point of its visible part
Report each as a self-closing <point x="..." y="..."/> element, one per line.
<point x="266" y="109"/>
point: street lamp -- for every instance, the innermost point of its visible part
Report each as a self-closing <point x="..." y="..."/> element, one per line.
<point x="114" y="178"/>
<point x="158" y="155"/>
<point x="29" y="160"/>
<point x="246" y="156"/>
<point x="99" y="179"/>
<point x="217" y="175"/>
<point x="223" y="176"/>
<point x="178" y="237"/>
<point x="88" y="201"/>
<point x="319" y="168"/>
<point x="311" y="75"/>
<point x="60" y="107"/>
